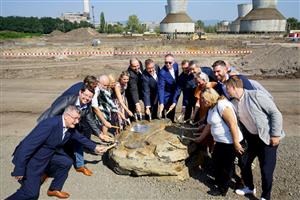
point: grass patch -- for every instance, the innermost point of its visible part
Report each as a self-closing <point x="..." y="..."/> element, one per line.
<point x="12" y="35"/>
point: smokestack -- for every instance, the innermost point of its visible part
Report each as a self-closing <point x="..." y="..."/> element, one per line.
<point x="86" y="8"/>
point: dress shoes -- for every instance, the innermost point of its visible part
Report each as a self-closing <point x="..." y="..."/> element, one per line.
<point x="84" y="170"/>
<point x="58" y="194"/>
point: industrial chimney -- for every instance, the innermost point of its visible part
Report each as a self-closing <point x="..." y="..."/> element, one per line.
<point x="177" y="20"/>
<point x="264" y="17"/>
<point x="86" y="8"/>
<point x="243" y="10"/>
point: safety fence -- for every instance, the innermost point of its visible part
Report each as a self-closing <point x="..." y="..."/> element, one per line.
<point x="120" y="53"/>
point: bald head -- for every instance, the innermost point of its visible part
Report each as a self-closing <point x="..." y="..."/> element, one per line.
<point x="134" y="64"/>
<point x="103" y="81"/>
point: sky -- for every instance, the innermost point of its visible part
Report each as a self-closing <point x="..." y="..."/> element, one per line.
<point x="146" y="10"/>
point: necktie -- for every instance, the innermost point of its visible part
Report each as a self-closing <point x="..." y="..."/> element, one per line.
<point x="64" y="132"/>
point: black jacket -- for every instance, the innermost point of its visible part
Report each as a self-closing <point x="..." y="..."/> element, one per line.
<point x="87" y="118"/>
<point x="134" y="88"/>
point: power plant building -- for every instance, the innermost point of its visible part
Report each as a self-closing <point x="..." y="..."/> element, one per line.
<point x="243" y="10"/>
<point x="76" y="16"/>
<point x="264" y="17"/>
<point x="177" y="19"/>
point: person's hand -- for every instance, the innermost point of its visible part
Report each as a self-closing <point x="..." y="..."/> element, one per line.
<point x="160" y="110"/>
<point x="107" y="124"/>
<point x="239" y="149"/>
<point x="274" y="141"/>
<point x="122" y="115"/>
<point x="100" y="149"/>
<point x="138" y="108"/>
<point x="19" y="177"/>
<point x="172" y="107"/>
<point x="148" y="111"/>
<point x="130" y="113"/>
<point x="198" y="139"/>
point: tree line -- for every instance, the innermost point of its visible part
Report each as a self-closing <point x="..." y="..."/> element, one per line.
<point x="46" y="25"/>
<point x="133" y="25"/>
<point x="42" y="25"/>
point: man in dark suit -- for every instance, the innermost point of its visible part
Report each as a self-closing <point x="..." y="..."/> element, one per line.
<point x="150" y="88"/>
<point x="168" y="89"/>
<point x="41" y="153"/>
<point x="195" y="68"/>
<point x="187" y="85"/>
<point x="221" y="73"/>
<point x="134" y="86"/>
<point x="87" y="125"/>
<point x="89" y="80"/>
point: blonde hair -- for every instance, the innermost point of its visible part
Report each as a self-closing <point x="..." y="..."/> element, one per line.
<point x="124" y="73"/>
<point x="211" y="96"/>
<point x="111" y="78"/>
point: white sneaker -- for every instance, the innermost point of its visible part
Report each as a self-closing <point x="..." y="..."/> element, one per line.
<point x="262" y="198"/>
<point x="245" y="190"/>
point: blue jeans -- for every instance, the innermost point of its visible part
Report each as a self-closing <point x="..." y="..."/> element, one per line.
<point x="78" y="153"/>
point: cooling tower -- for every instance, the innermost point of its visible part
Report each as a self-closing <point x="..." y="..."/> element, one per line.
<point x="177" y="20"/>
<point x="243" y="10"/>
<point x="264" y="17"/>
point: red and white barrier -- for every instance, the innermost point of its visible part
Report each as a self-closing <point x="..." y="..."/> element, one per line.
<point x="127" y="53"/>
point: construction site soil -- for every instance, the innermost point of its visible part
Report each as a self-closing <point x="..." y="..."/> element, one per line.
<point x="30" y="84"/>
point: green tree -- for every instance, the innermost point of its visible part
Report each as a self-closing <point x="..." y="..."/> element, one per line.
<point x="110" y="28"/>
<point x="49" y="24"/>
<point x="84" y="24"/>
<point x="142" y="28"/>
<point x="157" y="29"/>
<point x="118" y="28"/>
<point x="210" y="29"/>
<point x="199" y="25"/>
<point x="102" y="23"/>
<point x="293" y="24"/>
<point x="133" y="24"/>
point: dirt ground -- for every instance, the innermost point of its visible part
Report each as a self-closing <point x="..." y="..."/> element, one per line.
<point x="28" y="86"/>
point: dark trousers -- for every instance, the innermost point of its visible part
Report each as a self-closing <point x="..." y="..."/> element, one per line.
<point x="223" y="156"/>
<point x="58" y="168"/>
<point x="153" y="110"/>
<point x="171" y="114"/>
<point x="267" y="160"/>
<point x="189" y="107"/>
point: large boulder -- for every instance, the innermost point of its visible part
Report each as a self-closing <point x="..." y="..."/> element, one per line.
<point x="156" y="150"/>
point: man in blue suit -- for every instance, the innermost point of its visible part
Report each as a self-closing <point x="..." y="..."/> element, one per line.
<point x="87" y="125"/>
<point x="41" y="152"/>
<point x="168" y="89"/>
<point x="150" y="88"/>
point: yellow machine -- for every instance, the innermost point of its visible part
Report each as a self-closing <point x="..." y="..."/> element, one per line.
<point x="199" y="36"/>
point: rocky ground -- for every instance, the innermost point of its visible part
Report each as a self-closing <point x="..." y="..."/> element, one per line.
<point x="28" y="86"/>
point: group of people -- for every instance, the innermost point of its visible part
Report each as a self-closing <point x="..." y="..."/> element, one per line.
<point x="238" y="112"/>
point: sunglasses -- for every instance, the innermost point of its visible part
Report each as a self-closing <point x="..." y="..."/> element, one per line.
<point x="168" y="63"/>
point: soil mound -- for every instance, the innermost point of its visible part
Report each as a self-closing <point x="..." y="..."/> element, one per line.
<point x="274" y="60"/>
<point x="77" y="35"/>
<point x="56" y="33"/>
